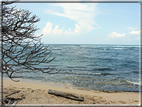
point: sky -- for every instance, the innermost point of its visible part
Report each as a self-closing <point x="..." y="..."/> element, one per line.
<point x="87" y="23"/>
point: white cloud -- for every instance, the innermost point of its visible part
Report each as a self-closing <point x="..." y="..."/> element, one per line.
<point x="83" y="14"/>
<point x="49" y="30"/>
<point x="77" y="28"/>
<point x="131" y="28"/>
<point x="114" y="34"/>
<point x="135" y="32"/>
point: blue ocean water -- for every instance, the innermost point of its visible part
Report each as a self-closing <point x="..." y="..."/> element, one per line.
<point x="95" y="67"/>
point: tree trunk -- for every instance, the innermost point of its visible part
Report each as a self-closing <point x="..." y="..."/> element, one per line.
<point x="67" y="95"/>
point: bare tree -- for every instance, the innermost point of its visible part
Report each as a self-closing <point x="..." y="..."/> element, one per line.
<point x="21" y="49"/>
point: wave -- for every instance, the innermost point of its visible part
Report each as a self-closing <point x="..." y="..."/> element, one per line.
<point x="137" y="72"/>
<point x="107" y="74"/>
<point x="102" y="69"/>
<point x="74" y="67"/>
<point x="135" y="83"/>
<point x="127" y="46"/>
<point x="112" y="48"/>
<point x="85" y="73"/>
<point x="118" y="48"/>
<point x="57" y="48"/>
<point x="77" y="45"/>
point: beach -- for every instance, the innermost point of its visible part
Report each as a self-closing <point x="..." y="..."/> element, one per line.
<point x="32" y="93"/>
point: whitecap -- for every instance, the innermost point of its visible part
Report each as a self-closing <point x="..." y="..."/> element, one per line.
<point x="136" y="83"/>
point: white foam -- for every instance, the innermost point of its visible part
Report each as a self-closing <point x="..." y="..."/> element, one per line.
<point x="96" y="73"/>
<point x="118" y="48"/>
<point x="137" y="83"/>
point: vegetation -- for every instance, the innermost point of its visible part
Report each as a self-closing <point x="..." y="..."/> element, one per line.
<point x="22" y="51"/>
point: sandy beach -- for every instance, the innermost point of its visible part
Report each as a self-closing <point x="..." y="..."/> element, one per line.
<point x="31" y="93"/>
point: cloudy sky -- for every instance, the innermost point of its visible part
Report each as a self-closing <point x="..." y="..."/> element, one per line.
<point x="87" y="23"/>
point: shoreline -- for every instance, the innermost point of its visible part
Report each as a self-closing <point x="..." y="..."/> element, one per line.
<point x="33" y="91"/>
<point x="52" y="84"/>
<point x="62" y="85"/>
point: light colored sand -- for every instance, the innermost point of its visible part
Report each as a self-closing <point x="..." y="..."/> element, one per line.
<point x="38" y="94"/>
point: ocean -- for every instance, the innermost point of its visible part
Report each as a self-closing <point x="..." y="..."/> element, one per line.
<point x="93" y="67"/>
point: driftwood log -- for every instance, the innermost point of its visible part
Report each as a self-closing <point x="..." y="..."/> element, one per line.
<point x="66" y="95"/>
<point x="12" y="93"/>
<point x="11" y="98"/>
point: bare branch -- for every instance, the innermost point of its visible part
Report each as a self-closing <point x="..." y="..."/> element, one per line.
<point x="21" y="48"/>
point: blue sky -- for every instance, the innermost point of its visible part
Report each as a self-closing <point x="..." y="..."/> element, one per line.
<point x="87" y="23"/>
